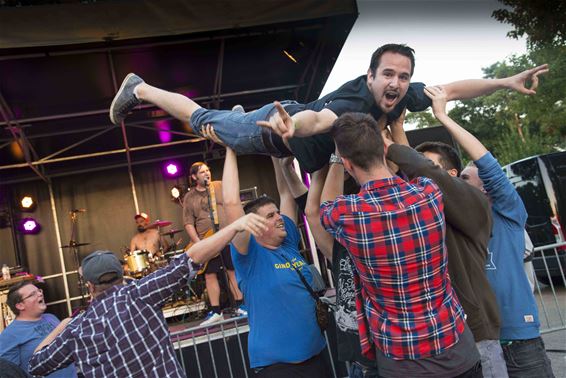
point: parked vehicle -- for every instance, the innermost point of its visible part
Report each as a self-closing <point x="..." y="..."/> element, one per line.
<point x="541" y="183"/>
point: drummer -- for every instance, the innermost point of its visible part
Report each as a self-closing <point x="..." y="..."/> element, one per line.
<point x="147" y="238"/>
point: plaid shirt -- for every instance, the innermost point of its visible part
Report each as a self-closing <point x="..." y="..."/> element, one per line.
<point x="123" y="332"/>
<point x="394" y="231"/>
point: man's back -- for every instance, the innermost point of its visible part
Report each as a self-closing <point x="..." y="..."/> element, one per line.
<point x="123" y="332"/>
<point x="395" y="233"/>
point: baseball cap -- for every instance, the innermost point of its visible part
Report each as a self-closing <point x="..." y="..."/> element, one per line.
<point x="99" y="263"/>
<point x="142" y="215"/>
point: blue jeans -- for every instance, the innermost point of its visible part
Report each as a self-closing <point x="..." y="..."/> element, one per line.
<point x="237" y="130"/>
<point x="527" y="358"/>
<point x="492" y="361"/>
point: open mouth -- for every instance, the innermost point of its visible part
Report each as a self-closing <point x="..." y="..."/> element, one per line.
<point x="280" y="226"/>
<point x="391" y="96"/>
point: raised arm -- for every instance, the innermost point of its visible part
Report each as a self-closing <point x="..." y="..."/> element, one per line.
<point x="334" y="184"/>
<point x="294" y="182"/>
<point x="473" y="147"/>
<point x="323" y="239"/>
<point x="301" y="124"/>
<point x="287" y="204"/>
<point x="466" y="89"/>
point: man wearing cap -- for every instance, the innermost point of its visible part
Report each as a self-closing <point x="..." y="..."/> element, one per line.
<point x="147" y="239"/>
<point x="123" y="332"/>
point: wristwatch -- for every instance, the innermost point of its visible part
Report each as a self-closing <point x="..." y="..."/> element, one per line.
<point x="335" y="159"/>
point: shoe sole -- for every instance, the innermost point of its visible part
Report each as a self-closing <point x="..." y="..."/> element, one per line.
<point x="218" y="320"/>
<point x="111" y="112"/>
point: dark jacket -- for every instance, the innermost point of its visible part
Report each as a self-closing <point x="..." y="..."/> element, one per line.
<point x="468" y="229"/>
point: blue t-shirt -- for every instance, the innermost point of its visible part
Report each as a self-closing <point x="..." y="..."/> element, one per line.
<point x="281" y="311"/>
<point x="504" y="266"/>
<point x="21" y="337"/>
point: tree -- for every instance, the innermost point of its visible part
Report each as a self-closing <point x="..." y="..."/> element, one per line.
<point x="543" y="21"/>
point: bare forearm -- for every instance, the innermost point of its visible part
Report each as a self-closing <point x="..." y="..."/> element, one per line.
<point x="230" y="180"/>
<point x="208" y="248"/>
<point x="287" y="205"/>
<point x="334" y="185"/>
<point x="472" y="88"/>
<point x="192" y="232"/>
<point x="322" y="238"/>
<point x="473" y="147"/>
<point x="56" y="331"/>
<point x="294" y="183"/>
<point x="309" y="122"/>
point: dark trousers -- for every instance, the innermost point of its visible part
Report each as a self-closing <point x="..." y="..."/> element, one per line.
<point x="526" y="359"/>
<point x="314" y="367"/>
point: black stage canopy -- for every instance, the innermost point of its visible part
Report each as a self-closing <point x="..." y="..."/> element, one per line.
<point x="62" y="61"/>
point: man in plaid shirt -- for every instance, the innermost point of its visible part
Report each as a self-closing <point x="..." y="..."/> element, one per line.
<point x="123" y="332"/>
<point x="394" y="231"/>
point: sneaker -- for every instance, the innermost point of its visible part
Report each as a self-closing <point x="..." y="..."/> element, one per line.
<point x="211" y="318"/>
<point x="238" y="108"/>
<point x="241" y="311"/>
<point x="125" y="100"/>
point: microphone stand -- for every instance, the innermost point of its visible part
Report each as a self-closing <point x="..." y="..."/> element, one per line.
<point x="75" y="249"/>
<point x="216" y="227"/>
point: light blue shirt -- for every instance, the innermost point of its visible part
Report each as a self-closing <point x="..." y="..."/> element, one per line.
<point x="21" y="337"/>
<point x="504" y="266"/>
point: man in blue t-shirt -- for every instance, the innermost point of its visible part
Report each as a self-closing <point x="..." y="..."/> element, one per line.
<point x="523" y="348"/>
<point x="385" y="89"/>
<point x="31" y="326"/>
<point x="284" y="339"/>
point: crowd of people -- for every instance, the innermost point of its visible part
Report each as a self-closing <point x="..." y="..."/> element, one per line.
<point x="427" y="255"/>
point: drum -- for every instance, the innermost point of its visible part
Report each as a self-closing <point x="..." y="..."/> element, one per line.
<point x="137" y="261"/>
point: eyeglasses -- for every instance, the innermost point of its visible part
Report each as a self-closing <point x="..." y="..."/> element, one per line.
<point x="33" y="294"/>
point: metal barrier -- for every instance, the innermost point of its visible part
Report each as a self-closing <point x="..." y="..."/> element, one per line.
<point x="549" y="264"/>
<point x="220" y="350"/>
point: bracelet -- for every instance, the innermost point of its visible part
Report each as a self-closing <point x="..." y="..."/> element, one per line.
<point x="335" y="159"/>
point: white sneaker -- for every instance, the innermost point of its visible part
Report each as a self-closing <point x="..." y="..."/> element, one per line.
<point x="240" y="311"/>
<point x="211" y="318"/>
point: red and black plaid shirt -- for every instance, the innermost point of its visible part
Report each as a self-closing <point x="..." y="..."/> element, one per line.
<point x="394" y="231"/>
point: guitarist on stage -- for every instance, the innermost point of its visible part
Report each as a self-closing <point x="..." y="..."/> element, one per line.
<point x="203" y="214"/>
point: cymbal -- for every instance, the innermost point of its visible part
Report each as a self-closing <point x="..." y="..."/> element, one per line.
<point x="75" y="245"/>
<point x="170" y="233"/>
<point x="159" y="223"/>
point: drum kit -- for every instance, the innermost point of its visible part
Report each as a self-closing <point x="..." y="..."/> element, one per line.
<point x="140" y="263"/>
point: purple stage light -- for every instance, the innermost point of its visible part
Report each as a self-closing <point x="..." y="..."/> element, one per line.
<point x="29" y="226"/>
<point x="172" y="169"/>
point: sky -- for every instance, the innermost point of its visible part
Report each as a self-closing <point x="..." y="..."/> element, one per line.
<point x="452" y="39"/>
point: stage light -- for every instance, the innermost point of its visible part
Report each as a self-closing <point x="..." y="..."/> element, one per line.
<point x="172" y="169"/>
<point x="175" y="192"/>
<point x="27" y="203"/>
<point x="29" y="226"/>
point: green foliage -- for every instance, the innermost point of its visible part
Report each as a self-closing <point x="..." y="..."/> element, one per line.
<point x="421" y="119"/>
<point x="542" y="21"/>
<point x="513" y="125"/>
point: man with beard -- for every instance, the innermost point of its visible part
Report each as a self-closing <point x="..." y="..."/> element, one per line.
<point x="147" y="239"/>
<point x="385" y="89"/>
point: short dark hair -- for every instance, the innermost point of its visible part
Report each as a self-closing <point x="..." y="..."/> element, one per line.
<point x="195" y="167"/>
<point x="254" y="205"/>
<point x="14" y="296"/>
<point x="449" y="158"/>
<point x="393" y="48"/>
<point x="358" y="139"/>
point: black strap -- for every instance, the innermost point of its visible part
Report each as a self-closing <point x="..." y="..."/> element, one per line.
<point x="309" y="288"/>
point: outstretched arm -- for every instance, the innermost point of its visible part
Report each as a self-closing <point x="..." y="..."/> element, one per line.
<point x="473" y="147"/>
<point x="301" y="124"/>
<point x="294" y="182"/>
<point x="467" y="89"/>
<point x="208" y="248"/>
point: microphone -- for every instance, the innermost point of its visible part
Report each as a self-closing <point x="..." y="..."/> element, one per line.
<point x="78" y="211"/>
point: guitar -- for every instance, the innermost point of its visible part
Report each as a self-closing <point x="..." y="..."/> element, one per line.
<point x="206" y="235"/>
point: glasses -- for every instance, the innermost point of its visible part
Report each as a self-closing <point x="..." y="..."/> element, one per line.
<point x="34" y="294"/>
